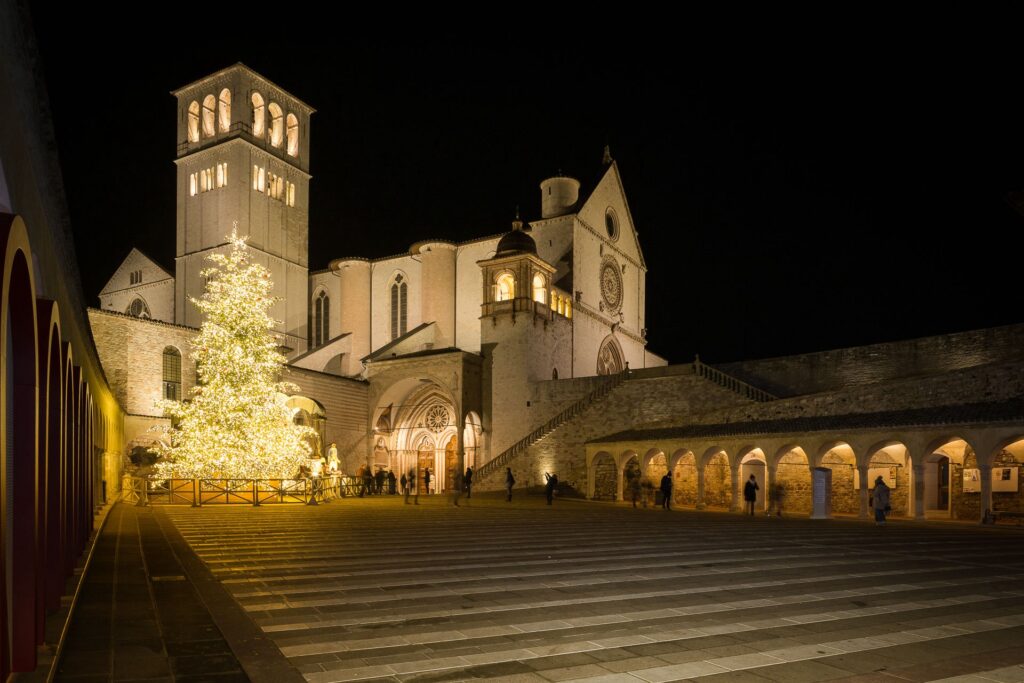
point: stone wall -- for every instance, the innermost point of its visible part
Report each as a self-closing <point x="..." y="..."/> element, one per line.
<point x="972" y="385"/>
<point x="346" y="405"/>
<point x="794" y="475"/>
<point x="811" y="373"/>
<point x="644" y="400"/>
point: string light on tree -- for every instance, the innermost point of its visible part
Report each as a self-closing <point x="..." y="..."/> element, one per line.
<point x="236" y="424"/>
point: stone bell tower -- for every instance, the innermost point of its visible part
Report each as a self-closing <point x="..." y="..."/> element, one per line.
<point x="522" y="340"/>
<point x="243" y="155"/>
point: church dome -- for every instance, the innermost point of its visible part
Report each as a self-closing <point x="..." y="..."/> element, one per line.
<point x="516" y="241"/>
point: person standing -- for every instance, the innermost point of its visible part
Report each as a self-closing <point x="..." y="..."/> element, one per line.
<point x="379" y="481"/>
<point x="426" y="480"/>
<point x="750" y="490"/>
<point x="551" y="486"/>
<point x="468" y="479"/>
<point x="666" y="491"/>
<point x="634" y="488"/>
<point x="412" y="487"/>
<point x="391" y="482"/>
<point x="880" y="498"/>
<point x="778" y="495"/>
<point x="510" y="481"/>
<point x="404" y="481"/>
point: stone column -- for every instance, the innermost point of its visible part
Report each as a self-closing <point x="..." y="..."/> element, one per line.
<point x="862" y="472"/>
<point x="619" y="482"/>
<point x="737" y="492"/>
<point x="591" y="471"/>
<point x="771" y="471"/>
<point x="700" y="489"/>
<point x="919" y="491"/>
<point x="985" y="471"/>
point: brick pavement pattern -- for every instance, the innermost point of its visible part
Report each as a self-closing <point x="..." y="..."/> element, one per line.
<point x="374" y="589"/>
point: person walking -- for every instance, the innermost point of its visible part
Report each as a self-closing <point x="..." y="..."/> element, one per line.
<point x="666" y="491"/>
<point x="552" y="484"/>
<point x="457" y="488"/>
<point x="778" y="495"/>
<point x="468" y="479"/>
<point x="510" y="481"/>
<point x="404" y="481"/>
<point x="750" y="490"/>
<point x="412" y="488"/>
<point x="634" y="488"/>
<point x="379" y="480"/>
<point x="880" y="498"/>
<point x="426" y="480"/>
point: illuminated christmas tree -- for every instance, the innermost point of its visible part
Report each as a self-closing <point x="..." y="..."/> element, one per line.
<point x="236" y="424"/>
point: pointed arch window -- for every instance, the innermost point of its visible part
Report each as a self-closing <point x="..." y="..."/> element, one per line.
<point x="209" y="104"/>
<point x="321" y="319"/>
<point x="293" y="135"/>
<point x="505" y="287"/>
<point x="224" y="111"/>
<point x="172" y="374"/>
<point x="276" y="124"/>
<point x="193" y="122"/>
<point x="399" y="307"/>
<point x="259" y="113"/>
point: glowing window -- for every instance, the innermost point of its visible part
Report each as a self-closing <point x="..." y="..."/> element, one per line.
<point x="172" y="374"/>
<point x="220" y="175"/>
<point x="209" y="104"/>
<point x="258" y="115"/>
<point x="568" y="309"/>
<point x="293" y="135"/>
<point x="554" y="300"/>
<point x="399" y="307"/>
<point x="262" y="180"/>
<point x="255" y="177"/>
<point x="291" y="194"/>
<point x="224" y="110"/>
<point x="505" y="287"/>
<point x="193" y="122"/>
<point x="276" y="124"/>
<point x="540" y="290"/>
<point x="192" y="185"/>
<point x="203" y="187"/>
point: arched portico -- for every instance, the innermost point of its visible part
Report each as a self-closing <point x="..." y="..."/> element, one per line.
<point x="685" y="479"/>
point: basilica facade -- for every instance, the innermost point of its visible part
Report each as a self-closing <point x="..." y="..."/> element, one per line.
<point x="403" y="360"/>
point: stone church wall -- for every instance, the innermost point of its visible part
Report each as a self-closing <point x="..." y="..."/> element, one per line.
<point x="827" y="370"/>
<point x="645" y="400"/>
<point x="345" y="403"/>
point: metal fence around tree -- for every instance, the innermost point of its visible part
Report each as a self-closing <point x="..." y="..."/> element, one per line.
<point x="199" y="492"/>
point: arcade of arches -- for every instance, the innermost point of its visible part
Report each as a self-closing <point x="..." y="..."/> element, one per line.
<point x="61" y="429"/>
<point x="934" y="473"/>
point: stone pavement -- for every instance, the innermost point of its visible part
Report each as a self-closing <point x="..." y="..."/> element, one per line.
<point x="374" y="589"/>
<point x="148" y="610"/>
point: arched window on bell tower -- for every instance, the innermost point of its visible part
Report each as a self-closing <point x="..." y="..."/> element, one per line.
<point x="259" y="114"/>
<point x="505" y="287"/>
<point x="276" y="124"/>
<point x="321" y="319"/>
<point x="293" y="135"/>
<point x="193" y="122"/>
<point x="399" y="306"/>
<point x="224" y="111"/>
<point x="540" y="288"/>
<point x="209" y="115"/>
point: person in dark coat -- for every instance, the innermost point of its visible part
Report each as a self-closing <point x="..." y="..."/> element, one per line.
<point x="880" y="500"/>
<point x="426" y="480"/>
<point x="411" y="487"/>
<point x="634" y="488"/>
<point x="391" y="482"/>
<point x="750" y="493"/>
<point x="552" y="484"/>
<point x="468" y="479"/>
<point x="379" y="480"/>
<point x="405" y="486"/>
<point x="510" y="481"/>
<point x="666" y="491"/>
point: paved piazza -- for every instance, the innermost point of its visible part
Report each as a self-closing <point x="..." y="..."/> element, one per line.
<point x="374" y="589"/>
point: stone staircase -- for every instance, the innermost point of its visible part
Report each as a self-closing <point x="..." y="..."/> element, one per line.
<point x="731" y="383"/>
<point x="506" y="456"/>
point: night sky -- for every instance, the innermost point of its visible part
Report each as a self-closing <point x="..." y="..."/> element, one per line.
<point x="791" y="194"/>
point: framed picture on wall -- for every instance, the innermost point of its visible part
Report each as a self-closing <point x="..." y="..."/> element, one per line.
<point x="1004" y="479"/>
<point x="972" y="480"/>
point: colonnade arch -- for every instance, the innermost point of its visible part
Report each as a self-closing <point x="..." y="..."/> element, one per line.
<point x="49" y="427"/>
<point x="932" y="471"/>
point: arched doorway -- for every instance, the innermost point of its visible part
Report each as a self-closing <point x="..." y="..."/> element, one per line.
<point x="609" y="357"/>
<point x="603" y="474"/>
<point x="684" y="479"/>
<point x="840" y="458"/>
<point x="753" y="464"/>
<point x="717" y="480"/>
<point x="891" y="462"/>
<point x="424" y="463"/>
<point x="793" y="475"/>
